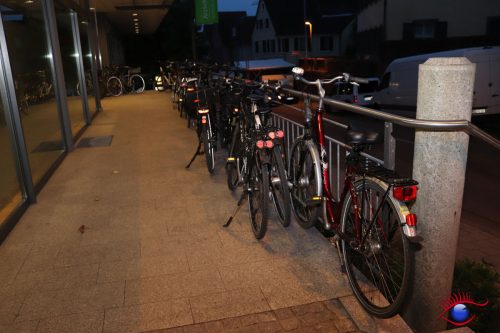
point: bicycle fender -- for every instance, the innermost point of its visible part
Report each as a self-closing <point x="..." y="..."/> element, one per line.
<point x="313" y="149"/>
<point x="402" y="209"/>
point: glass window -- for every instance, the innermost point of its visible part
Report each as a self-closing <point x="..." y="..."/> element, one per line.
<point x="273" y="45"/>
<point x="256" y="47"/>
<point x="11" y="195"/>
<point x="267" y="23"/>
<point x="326" y="43"/>
<point x="31" y="60"/>
<point x="70" y="58"/>
<point x="87" y="65"/>
<point x="285" y="46"/>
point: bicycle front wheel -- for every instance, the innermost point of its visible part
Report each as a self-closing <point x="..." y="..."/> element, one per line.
<point x="305" y="174"/>
<point x="258" y="198"/>
<point x="114" y="86"/>
<point x="137" y="83"/>
<point x="232" y="171"/>
<point x="380" y="268"/>
<point x="279" y="187"/>
<point x="208" y="145"/>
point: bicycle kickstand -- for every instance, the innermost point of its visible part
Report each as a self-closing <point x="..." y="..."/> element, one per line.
<point x="196" y="153"/>
<point x="335" y="241"/>
<point x="240" y="203"/>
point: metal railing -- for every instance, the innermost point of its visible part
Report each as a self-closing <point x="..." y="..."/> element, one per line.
<point x="336" y="148"/>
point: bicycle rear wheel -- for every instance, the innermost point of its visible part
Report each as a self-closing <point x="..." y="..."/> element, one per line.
<point x="379" y="270"/>
<point x="305" y="174"/>
<point x="232" y="166"/>
<point x="208" y="145"/>
<point x="258" y="198"/>
<point x="114" y="86"/>
<point x="137" y="83"/>
<point x="279" y="187"/>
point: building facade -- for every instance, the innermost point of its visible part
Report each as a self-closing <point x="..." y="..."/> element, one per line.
<point x="394" y="28"/>
<point x="294" y="29"/>
<point x="47" y="74"/>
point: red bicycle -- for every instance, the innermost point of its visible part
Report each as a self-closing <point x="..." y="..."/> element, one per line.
<point x="372" y="222"/>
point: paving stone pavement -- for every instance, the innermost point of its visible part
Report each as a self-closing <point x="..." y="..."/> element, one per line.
<point x="124" y="239"/>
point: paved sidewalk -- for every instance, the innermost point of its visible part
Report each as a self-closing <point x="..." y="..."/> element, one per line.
<point x="125" y="239"/>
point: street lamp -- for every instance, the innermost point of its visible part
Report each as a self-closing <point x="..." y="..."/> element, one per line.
<point x="310" y="34"/>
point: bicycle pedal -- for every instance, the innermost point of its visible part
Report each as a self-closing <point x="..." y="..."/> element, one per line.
<point x="314" y="201"/>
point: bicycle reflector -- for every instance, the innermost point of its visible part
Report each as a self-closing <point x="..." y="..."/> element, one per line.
<point x="260" y="144"/>
<point x="269" y="144"/>
<point x="236" y="110"/>
<point x="190" y="89"/>
<point x="203" y="111"/>
<point x="280" y="134"/>
<point x="411" y="220"/>
<point x="204" y="119"/>
<point x="196" y="101"/>
<point x="271" y="135"/>
<point x="405" y="193"/>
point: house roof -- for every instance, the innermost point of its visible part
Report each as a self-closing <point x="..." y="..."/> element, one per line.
<point x="326" y="16"/>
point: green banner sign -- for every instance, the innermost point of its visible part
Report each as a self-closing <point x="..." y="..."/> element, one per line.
<point x="206" y="12"/>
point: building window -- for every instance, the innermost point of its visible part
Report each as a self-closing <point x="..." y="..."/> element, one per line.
<point x="279" y="44"/>
<point x="298" y="44"/>
<point x="256" y="47"/>
<point x="264" y="46"/>
<point x="493" y="26"/>
<point x="259" y="24"/>
<point x="273" y="46"/>
<point x="423" y="30"/>
<point x="326" y="43"/>
<point x="285" y="46"/>
<point x="267" y="23"/>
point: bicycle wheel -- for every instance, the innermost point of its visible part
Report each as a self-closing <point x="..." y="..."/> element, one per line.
<point x="137" y="83"/>
<point x="305" y="174"/>
<point x="379" y="270"/>
<point x="232" y="166"/>
<point x="279" y="187"/>
<point x="208" y="145"/>
<point x="258" y="197"/>
<point x="114" y="86"/>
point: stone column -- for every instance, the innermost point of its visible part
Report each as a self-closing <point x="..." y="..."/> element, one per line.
<point x="445" y="89"/>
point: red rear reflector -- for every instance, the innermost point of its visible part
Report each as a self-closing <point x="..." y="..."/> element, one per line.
<point x="269" y="144"/>
<point x="203" y="120"/>
<point x="271" y="135"/>
<point x="355" y="99"/>
<point x="405" y="193"/>
<point x="411" y="220"/>
<point x="280" y="134"/>
<point x="260" y="144"/>
<point x="196" y="101"/>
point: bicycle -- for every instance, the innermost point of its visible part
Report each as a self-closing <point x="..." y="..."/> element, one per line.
<point x="272" y="180"/>
<point x="372" y="221"/>
<point x="127" y="81"/>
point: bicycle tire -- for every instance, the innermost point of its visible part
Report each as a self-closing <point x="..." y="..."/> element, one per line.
<point x="208" y="145"/>
<point x="305" y="175"/>
<point x="114" y="86"/>
<point x="368" y="277"/>
<point x="279" y="187"/>
<point x="258" y="197"/>
<point x="137" y="83"/>
<point x="232" y="168"/>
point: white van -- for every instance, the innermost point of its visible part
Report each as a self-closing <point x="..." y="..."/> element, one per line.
<point x="398" y="86"/>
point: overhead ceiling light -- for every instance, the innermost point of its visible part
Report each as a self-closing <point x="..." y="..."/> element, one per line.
<point x="134" y="14"/>
<point x="136" y="19"/>
<point x="29" y="1"/>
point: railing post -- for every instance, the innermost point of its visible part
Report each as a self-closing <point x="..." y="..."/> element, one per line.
<point x="445" y="89"/>
<point x="389" y="147"/>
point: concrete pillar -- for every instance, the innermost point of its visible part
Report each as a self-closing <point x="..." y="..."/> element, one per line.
<point x="445" y="88"/>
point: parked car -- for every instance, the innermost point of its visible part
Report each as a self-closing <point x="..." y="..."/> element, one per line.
<point x="355" y="93"/>
<point x="398" y="87"/>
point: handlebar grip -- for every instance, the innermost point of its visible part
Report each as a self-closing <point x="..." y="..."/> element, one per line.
<point x="358" y="80"/>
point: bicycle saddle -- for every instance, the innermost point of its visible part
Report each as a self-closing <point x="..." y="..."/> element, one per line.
<point x="254" y="98"/>
<point x="362" y="137"/>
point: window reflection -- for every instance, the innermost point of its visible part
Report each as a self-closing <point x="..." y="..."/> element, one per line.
<point x="70" y="58"/>
<point x="31" y="68"/>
